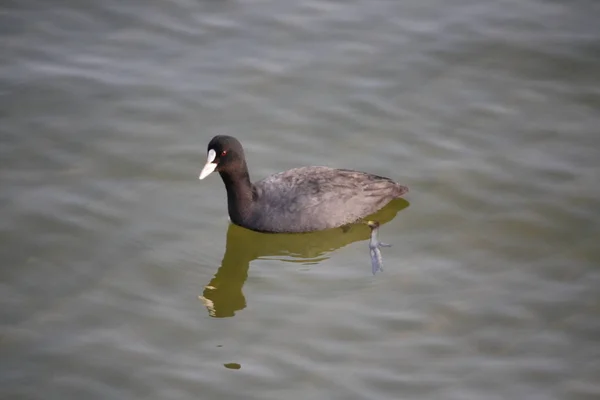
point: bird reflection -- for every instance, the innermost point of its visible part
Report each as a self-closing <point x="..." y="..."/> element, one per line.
<point x="223" y="296"/>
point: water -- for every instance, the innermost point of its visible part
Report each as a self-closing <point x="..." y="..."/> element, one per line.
<point x="122" y="278"/>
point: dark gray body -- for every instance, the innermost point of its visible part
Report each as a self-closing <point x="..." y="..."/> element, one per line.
<point x="315" y="198"/>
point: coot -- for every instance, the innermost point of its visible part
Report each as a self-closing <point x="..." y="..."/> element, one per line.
<point x="298" y="200"/>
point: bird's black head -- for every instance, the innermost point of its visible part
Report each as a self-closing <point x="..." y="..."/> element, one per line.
<point x="225" y="155"/>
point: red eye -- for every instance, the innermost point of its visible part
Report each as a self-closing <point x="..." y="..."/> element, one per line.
<point x="223" y="153"/>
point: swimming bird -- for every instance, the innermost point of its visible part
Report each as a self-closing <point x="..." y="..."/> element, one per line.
<point x="302" y="199"/>
<point x="374" y="247"/>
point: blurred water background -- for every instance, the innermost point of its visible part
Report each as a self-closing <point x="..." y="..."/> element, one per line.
<point x="121" y="277"/>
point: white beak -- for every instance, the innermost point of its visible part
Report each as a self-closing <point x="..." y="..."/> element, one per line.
<point x="210" y="166"/>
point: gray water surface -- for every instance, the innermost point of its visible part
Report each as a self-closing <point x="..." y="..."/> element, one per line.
<point x="122" y="278"/>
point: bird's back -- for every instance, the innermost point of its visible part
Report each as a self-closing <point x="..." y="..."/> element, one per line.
<point x="315" y="198"/>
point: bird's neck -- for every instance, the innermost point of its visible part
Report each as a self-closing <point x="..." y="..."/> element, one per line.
<point x="240" y="197"/>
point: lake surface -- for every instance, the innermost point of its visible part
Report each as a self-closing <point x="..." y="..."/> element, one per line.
<point x="122" y="278"/>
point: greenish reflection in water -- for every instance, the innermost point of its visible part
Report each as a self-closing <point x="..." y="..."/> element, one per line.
<point x="223" y="296"/>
